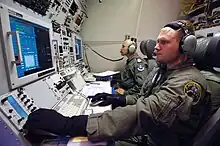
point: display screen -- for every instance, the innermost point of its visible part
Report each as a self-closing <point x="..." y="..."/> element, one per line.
<point x="17" y="107"/>
<point x="35" y="46"/>
<point x="78" y="48"/>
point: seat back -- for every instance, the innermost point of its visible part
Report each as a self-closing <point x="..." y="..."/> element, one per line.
<point x="207" y="56"/>
<point x="147" y="49"/>
<point x="208" y="130"/>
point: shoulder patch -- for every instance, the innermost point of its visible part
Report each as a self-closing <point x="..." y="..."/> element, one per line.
<point x="140" y="68"/>
<point x="139" y="60"/>
<point x="193" y="90"/>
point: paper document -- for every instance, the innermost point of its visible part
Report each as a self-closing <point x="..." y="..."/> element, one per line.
<point x="106" y="73"/>
<point x="94" y="88"/>
<point x="97" y="87"/>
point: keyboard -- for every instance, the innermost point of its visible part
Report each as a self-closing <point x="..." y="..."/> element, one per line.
<point x="71" y="105"/>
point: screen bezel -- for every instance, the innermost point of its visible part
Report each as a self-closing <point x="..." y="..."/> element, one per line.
<point x="14" y="81"/>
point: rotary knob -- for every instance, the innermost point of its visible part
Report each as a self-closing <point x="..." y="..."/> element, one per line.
<point x="10" y="110"/>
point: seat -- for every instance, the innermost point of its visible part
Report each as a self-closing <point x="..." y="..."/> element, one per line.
<point x="207" y="57"/>
<point x="210" y="128"/>
<point x="147" y="49"/>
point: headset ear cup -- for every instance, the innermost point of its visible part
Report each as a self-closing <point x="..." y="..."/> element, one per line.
<point x="132" y="48"/>
<point x="189" y="44"/>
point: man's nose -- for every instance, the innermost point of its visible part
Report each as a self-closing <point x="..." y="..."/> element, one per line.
<point x="157" y="47"/>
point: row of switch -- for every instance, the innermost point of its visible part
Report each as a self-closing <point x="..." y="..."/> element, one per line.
<point x="19" y="120"/>
<point x="25" y="103"/>
<point x="20" y="92"/>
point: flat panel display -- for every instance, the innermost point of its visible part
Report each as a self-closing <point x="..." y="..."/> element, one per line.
<point x="35" y="47"/>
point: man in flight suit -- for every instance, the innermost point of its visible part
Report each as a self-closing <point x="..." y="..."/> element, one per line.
<point x="135" y="70"/>
<point x="170" y="112"/>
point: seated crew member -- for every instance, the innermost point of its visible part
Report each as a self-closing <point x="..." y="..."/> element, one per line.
<point x="135" y="71"/>
<point x="169" y="113"/>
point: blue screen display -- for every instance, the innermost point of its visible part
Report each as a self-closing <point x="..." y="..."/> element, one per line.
<point x="17" y="107"/>
<point x="35" y="46"/>
<point x="78" y="48"/>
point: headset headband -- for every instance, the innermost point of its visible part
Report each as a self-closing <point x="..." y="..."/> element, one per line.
<point x="176" y="25"/>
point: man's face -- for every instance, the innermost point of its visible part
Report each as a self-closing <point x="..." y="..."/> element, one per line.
<point x="167" y="48"/>
<point x="124" y="47"/>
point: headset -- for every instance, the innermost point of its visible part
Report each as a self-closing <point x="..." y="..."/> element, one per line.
<point x="188" y="41"/>
<point x="133" y="46"/>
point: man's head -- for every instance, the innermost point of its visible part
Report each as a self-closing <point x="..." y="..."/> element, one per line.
<point x="169" y="41"/>
<point x="128" y="47"/>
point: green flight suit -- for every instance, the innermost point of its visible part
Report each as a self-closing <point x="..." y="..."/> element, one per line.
<point x="134" y="74"/>
<point x="214" y="83"/>
<point x="170" y="115"/>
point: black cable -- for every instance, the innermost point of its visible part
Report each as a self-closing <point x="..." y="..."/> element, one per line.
<point x="113" y="60"/>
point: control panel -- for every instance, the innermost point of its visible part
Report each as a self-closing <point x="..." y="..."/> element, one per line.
<point x="39" y="6"/>
<point x="68" y="72"/>
<point x="16" y="106"/>
<point x="58" y="85"/>
<point x="70" y="13"/>
<point x="64" y="48"/>
<point x="84" y="71"/>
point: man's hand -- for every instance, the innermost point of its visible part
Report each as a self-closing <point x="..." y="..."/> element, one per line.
<point x="106" y="99"/>
<point x="120" y="91"/>
<point x="51" y="121"/>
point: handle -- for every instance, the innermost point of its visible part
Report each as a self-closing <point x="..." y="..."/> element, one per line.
<point x="18" y="43"/>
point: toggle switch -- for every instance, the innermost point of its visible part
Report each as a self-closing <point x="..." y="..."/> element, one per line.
<point x="4" y="99"/>
<point x="24" y="96"/>
<point x="30" y="106"/>
<point x="28" y="100"/>
<point x="33" y="109"/>
<point x="19" y="121"/>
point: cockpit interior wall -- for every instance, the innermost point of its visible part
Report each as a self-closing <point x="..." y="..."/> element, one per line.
<point x="108" y="29"/>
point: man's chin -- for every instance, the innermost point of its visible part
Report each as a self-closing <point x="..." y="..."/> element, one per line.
<point x="158" y="59"/>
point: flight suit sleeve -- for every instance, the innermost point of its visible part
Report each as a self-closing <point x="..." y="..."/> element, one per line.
<point x="127" y="79"/>
<point x="139" y="72"/>
<point x="111" y="124"/>
<point x="170" y="102"/>
<point x="132" y="99"/>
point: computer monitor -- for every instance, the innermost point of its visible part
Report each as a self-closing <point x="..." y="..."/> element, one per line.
<point x="27" y="47"/>
<point x="35" y="47"/>
<point x="78" y="48"/>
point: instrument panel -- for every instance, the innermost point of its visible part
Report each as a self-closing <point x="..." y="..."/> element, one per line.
<point x="16" y="106"/>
